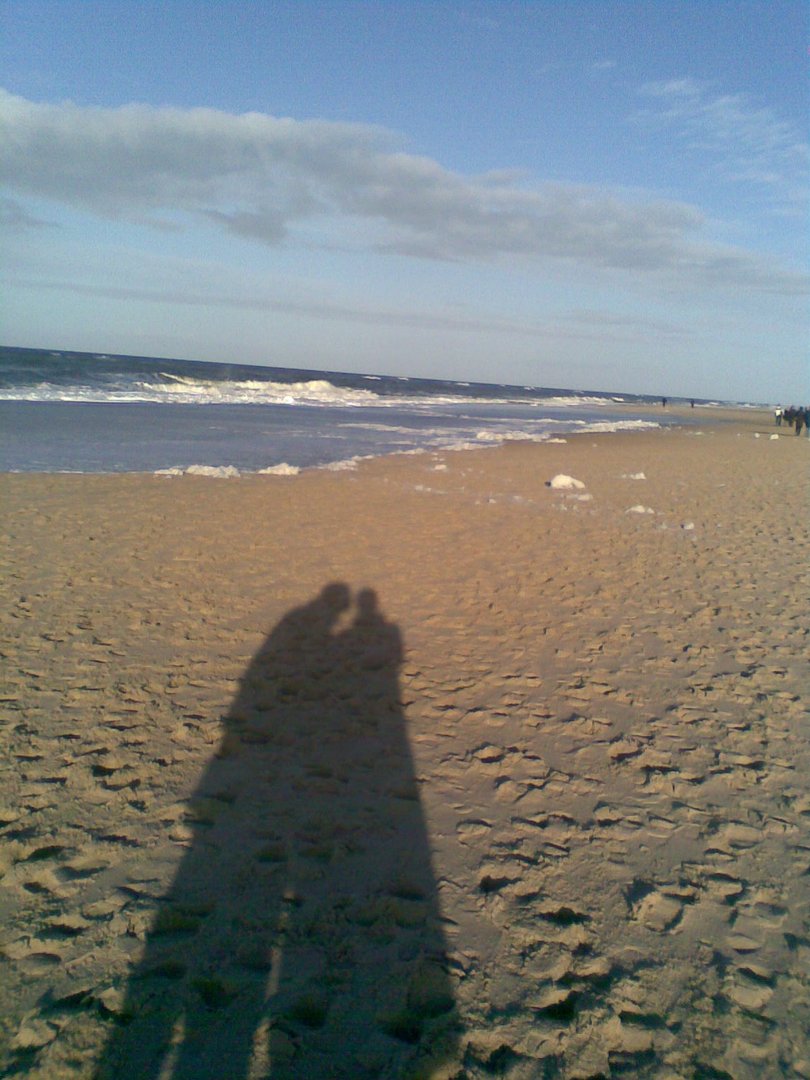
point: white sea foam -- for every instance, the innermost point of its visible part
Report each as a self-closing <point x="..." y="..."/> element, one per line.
<point x="223" y="472"/>
<point x="565" y="401"/>
<point x="467" y="444"/>
<point x="500" y="435"/>
<point x="258" y="392"/>
<point x="607" y="426"/>
<point x="218" y="472"/>
<point x="280" y="470"/>
<point x="181" y="390"/>
<point x="189" y="390"/>
<point x="347" y="465"/>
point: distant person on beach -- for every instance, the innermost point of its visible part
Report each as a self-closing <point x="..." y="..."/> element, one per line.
<point x="799" y="420"/>
<point x="663" y="402"/>
<point x="778" y="413"/>
<point x="691" y="403"/>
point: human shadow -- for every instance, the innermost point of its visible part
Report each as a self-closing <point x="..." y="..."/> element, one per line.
<point x="301" y="936"/>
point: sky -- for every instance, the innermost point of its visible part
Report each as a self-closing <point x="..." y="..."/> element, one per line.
<point x="588" y="194"/>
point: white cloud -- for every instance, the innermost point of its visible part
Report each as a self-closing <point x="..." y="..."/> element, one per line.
<point x="260" y="176"/>
<point x="748" y="143"/>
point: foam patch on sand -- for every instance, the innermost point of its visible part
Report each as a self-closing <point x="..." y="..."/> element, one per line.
<point x="563" y="482"/>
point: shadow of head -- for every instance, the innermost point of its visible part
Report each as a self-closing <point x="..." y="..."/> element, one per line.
<point x="336" y="597"/>
<point x="368" y="607"/>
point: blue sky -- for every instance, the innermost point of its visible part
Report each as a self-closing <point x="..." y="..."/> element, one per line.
<point x="596" y="195"/>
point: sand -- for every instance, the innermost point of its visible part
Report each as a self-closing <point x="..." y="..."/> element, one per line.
<point x="425" y="769"/>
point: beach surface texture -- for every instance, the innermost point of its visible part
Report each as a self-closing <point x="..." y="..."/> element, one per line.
<point x="488" y="763"/>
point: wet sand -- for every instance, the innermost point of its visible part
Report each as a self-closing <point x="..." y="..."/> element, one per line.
<point x="425" y="769"/>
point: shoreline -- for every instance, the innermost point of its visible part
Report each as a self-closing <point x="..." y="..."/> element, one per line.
<point x="240" y="443"/>
<point x="602" y="691"/>
<point x="685" y="417"/>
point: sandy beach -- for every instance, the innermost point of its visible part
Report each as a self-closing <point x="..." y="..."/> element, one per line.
<point x="432" y="768"/>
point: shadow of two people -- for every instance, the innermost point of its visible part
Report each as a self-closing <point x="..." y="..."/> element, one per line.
<point x="301" y="935"/>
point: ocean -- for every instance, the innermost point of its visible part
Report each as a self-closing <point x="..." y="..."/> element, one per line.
<point x="92" y="413"/>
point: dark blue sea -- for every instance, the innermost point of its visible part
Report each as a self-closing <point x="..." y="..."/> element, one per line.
<point x="83" y="412"/>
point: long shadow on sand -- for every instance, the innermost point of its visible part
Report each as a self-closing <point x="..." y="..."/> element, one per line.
<point x="301" y="935"/>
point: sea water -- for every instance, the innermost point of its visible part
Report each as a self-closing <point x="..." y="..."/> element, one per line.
<point x="82" y="412"/>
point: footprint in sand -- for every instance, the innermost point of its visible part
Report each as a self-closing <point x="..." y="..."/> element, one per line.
<point x="768" y="912"/>
<point x="69" y="925"/>
<point x="750" y="994"/>
<point x="623" y="749"/>
<point x="741" y="942"/>
<point x="654" y="906"/>
<point x="32" y="956"/>
<point x="472" y="830"/>
<point x="82" y="866"/>
<point x="741" y="836"/>
<point x="725" y="886"/>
